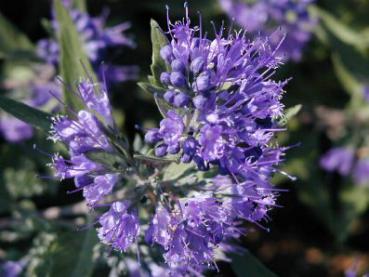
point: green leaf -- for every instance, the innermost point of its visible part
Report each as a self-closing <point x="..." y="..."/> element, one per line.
<point x="26" y="113"/>
<point x="158" y="40"/>
<point x="153" y="159"/>
<point x="290" y="113"/>
<point x="248" y="265"/>
<point x="67" y="254"/>
<point x="175" y="171"/>
<point x="163" y="106"/>
<point x="74" y="63"/>
<point x="12" y="40"/>
<point x="358" y="39"/>
<point x="151" y="88"/>
<point x="80" y="5"/>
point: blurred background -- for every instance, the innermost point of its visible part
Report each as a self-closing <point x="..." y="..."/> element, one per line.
<point x="322" y="227"/>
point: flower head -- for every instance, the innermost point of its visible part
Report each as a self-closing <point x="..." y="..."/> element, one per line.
<point x="223" y="116"/>
<point x="231" y="103"/>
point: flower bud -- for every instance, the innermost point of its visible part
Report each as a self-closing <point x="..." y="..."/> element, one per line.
<point x="197" y="65"/>
<point x="169" y="96"/>
<point x="203" y="81"/>
<point x="166" y="53"/>
<point x="173" y="149"/>
<point x="177" y="79"/>
<point x="199" y="101"/>
<point x="178" y="65"/>
<point x="165" y="78"/>
<point x="161" y="150"/>
<point x="152" y="136"/>
<point x="181" y="100"/>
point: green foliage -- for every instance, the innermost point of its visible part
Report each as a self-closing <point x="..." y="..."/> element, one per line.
<point x="13" y="43"/>
<point x="74" y="63"/>
<point x="158" y="40"/>
<point x="247" y="265"/>
<point x="63" y="254"/>
<point x="26" y="113"/>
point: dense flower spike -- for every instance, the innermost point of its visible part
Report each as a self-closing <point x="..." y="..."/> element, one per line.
<point x="227" y="104"/>
<point x="224" y="109"/>
<point x="223" y="117"/>
<point x="267" y="15"/>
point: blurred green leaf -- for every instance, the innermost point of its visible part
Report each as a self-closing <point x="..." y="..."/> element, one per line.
<point x="12" y="40"/>
<point x="26" y="113"/>
<point x="247" y="265"/>
<point x="67" y="254"/>
<point x="80" y="5"/>
<point x="358" y="39"/>
<point x="158" y="40"/>
<point x="151" y="88"/>
<point x="289" y="114"/>
<point x="74" y="63"/>
<point x="175" y="171"/>
<point x="163" y="106"/>
<point x="153" y="159"/>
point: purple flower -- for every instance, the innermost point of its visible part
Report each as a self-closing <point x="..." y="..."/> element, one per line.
<point x="14" y="130"/>
<point x="223" y="116"/>
<point x="85" y="135"/>
<point x="366" y="93"/>
<point x="225" y="95"/>
<point x="34" y="93"/>
<point x="265" y="16"/>
<point x="119" y="226"/>
<point x="12" y="269"/>
<point x="339" y="159"/>
<point x="361" y="172"/>
<point x="227" y="124"/>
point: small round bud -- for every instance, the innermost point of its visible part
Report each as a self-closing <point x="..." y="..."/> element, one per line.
<point x="165" y="78"/>
<point x="169" y="96"/>
<point x="177" y="79"/>
<point x="181" y="100"/>
<point x="189" y="146"/>
<point x="178" y="65"/>
<point x="173" y="149"/>
<point x="197" y="65"/>
<point x="161" y="150"/>
<point x="152" y="136"/>
<point x="199" y="101"/>
<point x="166" y="53"/>
<point x="186" y="158"/>
<point x="203" y="81"/>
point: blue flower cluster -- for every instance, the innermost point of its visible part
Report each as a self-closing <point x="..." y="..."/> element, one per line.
<point x="223" y="114"/>
<point x="265" y="16"/>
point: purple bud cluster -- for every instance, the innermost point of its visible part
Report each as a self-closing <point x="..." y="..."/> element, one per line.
<point x="343" y="160"/>
<point x="224" y="103"/>
<point x="87" y="134"/>
<point x="223" y="116"/>
<point x="265" y="16"/>
<point x="226" y="120"/>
